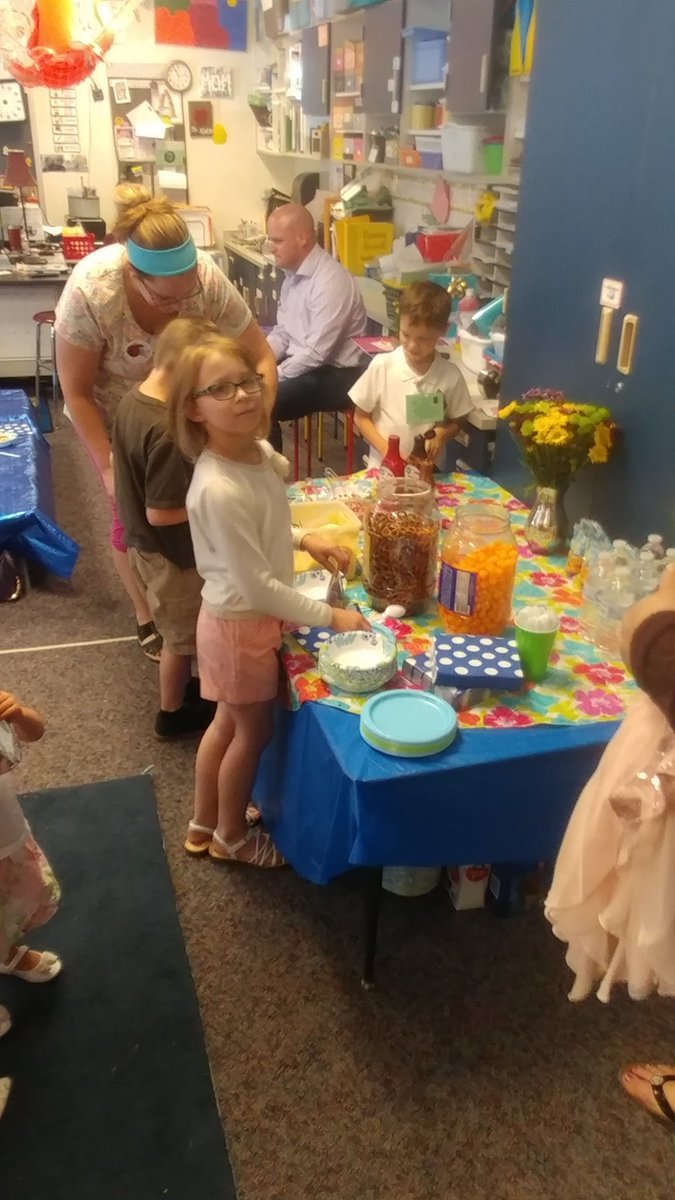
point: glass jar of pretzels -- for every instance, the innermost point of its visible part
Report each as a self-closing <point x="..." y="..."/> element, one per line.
<point x="401" y="545"/>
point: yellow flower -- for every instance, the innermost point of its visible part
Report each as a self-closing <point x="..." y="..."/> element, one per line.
<point x="551" y="429"/>
<point x="505" y="413"/>
<point x="598" y="454"/>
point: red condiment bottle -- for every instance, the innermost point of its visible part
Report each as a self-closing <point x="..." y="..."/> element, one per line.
<point x="392" y="464"/>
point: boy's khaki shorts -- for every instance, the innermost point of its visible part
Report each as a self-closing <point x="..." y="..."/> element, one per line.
<point x="174" y="598"/>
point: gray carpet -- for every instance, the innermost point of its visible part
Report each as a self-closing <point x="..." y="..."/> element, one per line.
<point x="467" y="1074"/>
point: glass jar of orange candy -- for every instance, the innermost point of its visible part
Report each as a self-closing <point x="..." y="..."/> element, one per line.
<point x="478" y="569"/>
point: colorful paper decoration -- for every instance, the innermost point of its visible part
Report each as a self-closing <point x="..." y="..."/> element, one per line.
<point x="524" y="32"/>
<point x="60" y="44"/>
<point x="211" y="24"/>
<point x="219" y="135"/>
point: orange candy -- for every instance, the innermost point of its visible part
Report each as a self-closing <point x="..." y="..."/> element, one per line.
<point x="495" y="568"/>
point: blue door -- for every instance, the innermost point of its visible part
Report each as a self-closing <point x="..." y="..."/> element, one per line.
<point x="598" y="201"/>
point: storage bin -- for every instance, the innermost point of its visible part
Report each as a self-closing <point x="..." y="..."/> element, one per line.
<point x="461" y="147"/>
<point x="422" y="116"/>
<point x="392" y="295"/>
<point x="77" y="246"/>
<point x="493" y="155"/>
<point x="360" y="241"/>
<point x="428" y="143"/>
<point x="472" y="348"/>
<point x="432" y="161"/>
<point x="428" y="55"/>
<point x="436" y="245"/>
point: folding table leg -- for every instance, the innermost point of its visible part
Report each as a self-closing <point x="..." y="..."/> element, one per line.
<point x="372" y="897"/>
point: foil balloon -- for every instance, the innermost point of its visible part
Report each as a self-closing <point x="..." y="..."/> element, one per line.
<point x="58" y="43"/>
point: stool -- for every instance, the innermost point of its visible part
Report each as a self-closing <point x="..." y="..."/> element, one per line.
<point x="308" y="431"/>
<point x="42" y="363"/>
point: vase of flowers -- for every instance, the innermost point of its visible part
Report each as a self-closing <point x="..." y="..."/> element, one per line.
<point x="556" y="438"/>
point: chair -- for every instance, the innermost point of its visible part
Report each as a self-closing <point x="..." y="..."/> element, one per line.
<point x="307" y="422"/>
<point x="43" y="319"/>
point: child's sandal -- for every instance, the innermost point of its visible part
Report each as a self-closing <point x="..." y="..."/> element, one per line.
<point x="197" y="849"/>
<point x="265" y="853"/>
<point x="44" y="971"/>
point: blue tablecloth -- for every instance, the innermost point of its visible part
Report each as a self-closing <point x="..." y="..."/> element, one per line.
<point x="503" y="795"/>
<point x="27" y="525"/>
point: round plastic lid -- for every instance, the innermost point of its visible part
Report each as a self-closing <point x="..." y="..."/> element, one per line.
<point x="408" y="724"/>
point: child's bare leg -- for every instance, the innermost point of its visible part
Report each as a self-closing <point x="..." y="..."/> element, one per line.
<point x="174" y="675"/>
<point x="252" y="730"/>
<point x="210" y="755"/>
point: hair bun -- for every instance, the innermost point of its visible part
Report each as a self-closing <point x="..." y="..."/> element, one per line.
<point x="129" y="195"/>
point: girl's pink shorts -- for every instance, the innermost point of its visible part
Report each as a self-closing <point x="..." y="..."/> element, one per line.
<point x="238" y="661"/>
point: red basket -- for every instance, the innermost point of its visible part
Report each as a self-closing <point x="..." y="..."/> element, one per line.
<point x="77" y="246"/>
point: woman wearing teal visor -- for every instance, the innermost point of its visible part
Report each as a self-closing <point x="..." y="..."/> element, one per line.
<point x="116" y="303"/>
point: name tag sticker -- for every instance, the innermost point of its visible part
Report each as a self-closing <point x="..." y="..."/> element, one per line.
<point x="424" y="407"/>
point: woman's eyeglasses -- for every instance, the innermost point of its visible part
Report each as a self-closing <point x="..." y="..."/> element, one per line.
<point x="161" y="301"/>
<point x="227" y="391"/>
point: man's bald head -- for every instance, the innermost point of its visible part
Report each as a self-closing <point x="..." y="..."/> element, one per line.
<point x="291" y="233"/>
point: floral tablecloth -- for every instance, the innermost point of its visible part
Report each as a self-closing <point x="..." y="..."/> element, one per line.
<point x="581" y="685"/>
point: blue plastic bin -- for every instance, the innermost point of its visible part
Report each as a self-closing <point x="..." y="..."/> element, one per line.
<point x="428" y="55"/>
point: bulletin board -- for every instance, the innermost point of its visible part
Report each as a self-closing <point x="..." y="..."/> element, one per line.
<point x="141" y="106"/>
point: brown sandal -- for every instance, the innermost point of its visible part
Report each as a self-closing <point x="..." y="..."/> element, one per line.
<point x="265" y="853"/>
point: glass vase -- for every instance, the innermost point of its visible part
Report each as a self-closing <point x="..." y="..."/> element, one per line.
<point x="547" y="528"/>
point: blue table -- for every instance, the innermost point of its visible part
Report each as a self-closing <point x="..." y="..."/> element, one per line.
<point x="497" y="796"/>
<point x="27" y="525"/>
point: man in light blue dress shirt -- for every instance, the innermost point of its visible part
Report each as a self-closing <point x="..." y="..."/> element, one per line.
<point x="320" y="311"/>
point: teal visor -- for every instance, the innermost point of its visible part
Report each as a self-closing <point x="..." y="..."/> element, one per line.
<point x="177" y="260"/>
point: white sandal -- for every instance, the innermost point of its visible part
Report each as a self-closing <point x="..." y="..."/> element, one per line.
<point x="5" y="1020"/>
<point x="48" y="967"/>
<point x="199" y="849"/>
<point x="265" y="854"/>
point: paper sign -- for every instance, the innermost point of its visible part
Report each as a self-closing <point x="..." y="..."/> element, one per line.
<point x="173" y="180"/>
<point x="322" y="35"/>
<point x="611" y="295"/>
<point x="145" y="122"/>
<point x="424" y="406"/>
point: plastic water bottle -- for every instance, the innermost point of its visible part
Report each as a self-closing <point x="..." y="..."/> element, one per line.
<point x="624" y="555"/>
<point x="598" y="578"/>
<point x="655" y="545"/>
<point x="648" y="573"/>
<point x="613" y="602"/>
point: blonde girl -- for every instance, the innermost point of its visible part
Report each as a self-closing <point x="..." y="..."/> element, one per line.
<point x="241" y="531"/>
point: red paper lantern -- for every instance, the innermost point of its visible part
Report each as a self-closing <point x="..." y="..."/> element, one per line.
<point x="48" y="48"/>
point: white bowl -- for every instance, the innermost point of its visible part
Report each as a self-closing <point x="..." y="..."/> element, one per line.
<point x="359" y="662"/>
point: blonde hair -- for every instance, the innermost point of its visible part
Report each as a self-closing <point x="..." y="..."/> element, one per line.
<point x="128" y="195"/>
<point x="176" y="337"/>
<point x="152" y="222"/>
<point x="189" y="435"/>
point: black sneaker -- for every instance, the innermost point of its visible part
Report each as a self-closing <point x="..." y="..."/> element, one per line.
<point x="190" y="719"/>
<point x="193" y="696"/>
<point x="149" y="641"/>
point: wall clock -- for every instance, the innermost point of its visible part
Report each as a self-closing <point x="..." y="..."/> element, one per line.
<point x="179" y="76"/>
<point x="11" y="102"/>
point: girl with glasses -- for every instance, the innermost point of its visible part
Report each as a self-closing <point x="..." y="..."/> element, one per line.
<point x="241" y="531"/>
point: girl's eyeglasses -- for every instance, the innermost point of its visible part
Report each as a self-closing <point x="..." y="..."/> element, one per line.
<point x="227" y="391"/>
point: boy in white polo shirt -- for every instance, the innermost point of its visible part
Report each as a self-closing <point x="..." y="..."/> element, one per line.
<point x="413" y="389"/>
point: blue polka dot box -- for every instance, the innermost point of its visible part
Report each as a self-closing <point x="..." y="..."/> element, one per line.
<point x="470" y="662"/>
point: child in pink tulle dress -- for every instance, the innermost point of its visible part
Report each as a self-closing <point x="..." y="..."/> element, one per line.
<point x="613" y="893"/>
<point x="29" y="893"/>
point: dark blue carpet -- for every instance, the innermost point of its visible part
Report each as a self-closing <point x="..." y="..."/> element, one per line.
<point x="112" y="1096"/>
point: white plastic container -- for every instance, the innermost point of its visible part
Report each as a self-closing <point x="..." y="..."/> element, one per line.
<point x="411" y="881"/>
<point x="461" y="146"/>
<point x="471" y="348"/>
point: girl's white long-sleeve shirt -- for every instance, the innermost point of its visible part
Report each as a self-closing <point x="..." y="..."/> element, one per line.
<point x="240" y="523"/>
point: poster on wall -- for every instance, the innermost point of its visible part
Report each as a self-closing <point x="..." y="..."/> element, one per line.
<point x="209" y="24"/>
